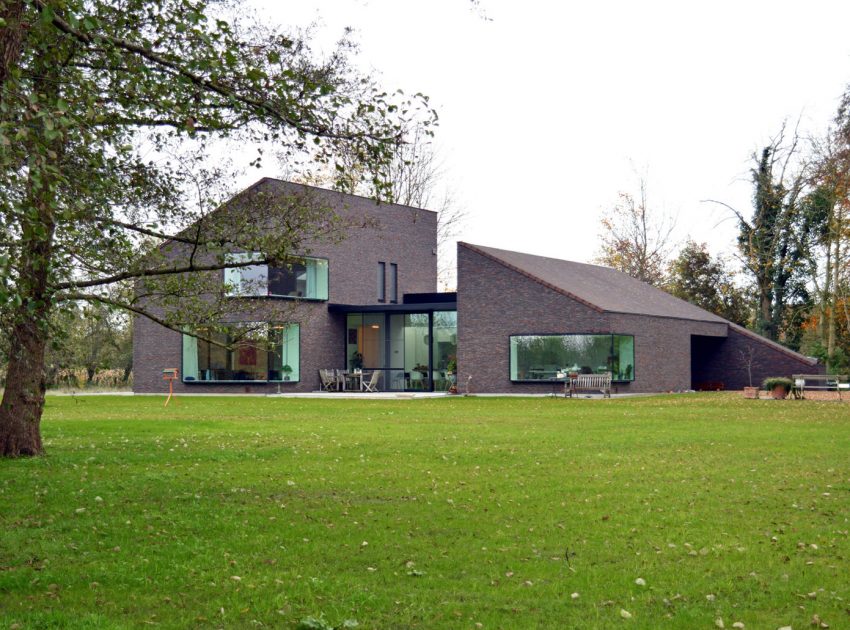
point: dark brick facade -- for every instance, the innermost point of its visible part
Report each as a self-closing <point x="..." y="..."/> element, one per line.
<point x="379" y="232"/>
<point x="727" y="363"/>
<point x="496" y="301"/>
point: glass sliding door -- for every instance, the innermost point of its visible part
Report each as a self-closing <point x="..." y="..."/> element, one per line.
<point x="365" y="341"/>
<point x="396" y="380"/>
<point x="444" y="348"/>
<point x="411" y="350"/>
<point x="417" y="365"/>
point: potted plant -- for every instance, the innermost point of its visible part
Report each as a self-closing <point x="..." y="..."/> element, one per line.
<point x="451" y="371"/>
<point x="357" y="361"/>
<point x="287" y="370"/>
<point x="778" y="386"/>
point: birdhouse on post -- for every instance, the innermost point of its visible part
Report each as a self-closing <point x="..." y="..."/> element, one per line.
<point x="170" y="375"/>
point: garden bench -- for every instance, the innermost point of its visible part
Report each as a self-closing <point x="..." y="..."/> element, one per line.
<point x="590" y="382"/>
<point x="823" y="382"/>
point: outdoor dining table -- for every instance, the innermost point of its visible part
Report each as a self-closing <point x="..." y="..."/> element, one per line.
<point x="353" y="378"/>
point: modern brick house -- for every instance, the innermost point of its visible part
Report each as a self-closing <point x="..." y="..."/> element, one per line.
<point x="523" y="318"/>
<point x="516" y="321"/>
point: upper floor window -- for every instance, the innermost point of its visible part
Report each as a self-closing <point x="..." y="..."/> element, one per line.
<point x="303" y="277"/>
<point x="382" y="282"/>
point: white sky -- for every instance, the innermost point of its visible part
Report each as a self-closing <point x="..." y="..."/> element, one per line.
<point x="549" y="109"/>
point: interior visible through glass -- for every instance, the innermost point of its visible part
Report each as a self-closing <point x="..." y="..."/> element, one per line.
<point x="543" y="357"/>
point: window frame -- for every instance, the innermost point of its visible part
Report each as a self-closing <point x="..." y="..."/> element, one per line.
<point x="393" y="297"/>
<point x="382" y="282"/>
<point x="276" y="296"/>
<point x="267" y="381"/>
<point x="573" y="334"/>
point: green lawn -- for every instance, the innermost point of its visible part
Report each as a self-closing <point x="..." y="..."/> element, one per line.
<point x="441" y="513"/>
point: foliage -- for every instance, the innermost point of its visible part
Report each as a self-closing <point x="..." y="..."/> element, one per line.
<point x="828" y="208"/>
<point x="89" y="338"/>
<point x="707" y="282"/>
<point x="773" y="382"/>
<point x="774" y="243"/>
<point x="142" y="510"/>
<point x="635" y="239"/>
<point x="111" y="113"/>
<point x="356" y="360"/>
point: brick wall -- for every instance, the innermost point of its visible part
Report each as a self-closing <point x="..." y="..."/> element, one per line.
<point x="378" y="232"/>
<point x="495" y="302"/>
<point x="726" y="362"/>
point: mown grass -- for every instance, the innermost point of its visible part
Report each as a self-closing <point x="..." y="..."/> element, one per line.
<point x="448" y="513"/>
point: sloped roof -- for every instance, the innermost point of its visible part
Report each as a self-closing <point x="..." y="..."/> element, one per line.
<point x="609" y="290"/>
<point x="602" y="288"/>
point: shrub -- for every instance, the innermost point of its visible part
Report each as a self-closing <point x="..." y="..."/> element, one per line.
<point x="778" y="381"/>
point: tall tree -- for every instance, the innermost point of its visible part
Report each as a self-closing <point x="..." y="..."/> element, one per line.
<point x="698" y="277"/>
<point x="635" y="239"/>
<point x="773" y="243"/>
<point x="828" y="209"/>
<point x="95" y="95"/>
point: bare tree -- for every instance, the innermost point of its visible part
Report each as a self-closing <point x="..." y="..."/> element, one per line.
<point x="416" y="177"/>
<point x="635" y="239"/>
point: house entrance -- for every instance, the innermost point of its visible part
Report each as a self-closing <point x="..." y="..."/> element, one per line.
<point x="414" y="351"/>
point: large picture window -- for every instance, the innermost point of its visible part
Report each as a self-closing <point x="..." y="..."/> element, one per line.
<point x="543" y="357"/>
<point x="305" y="278"/>
<point x="243" y="352"/>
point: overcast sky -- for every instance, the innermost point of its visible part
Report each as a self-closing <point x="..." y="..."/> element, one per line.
<point x="548" y="109"/>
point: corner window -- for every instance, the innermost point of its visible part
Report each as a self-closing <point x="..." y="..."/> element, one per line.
<point x="382" y="282"/>
<point x="304" y="277"/>
<point x="542" y="357"/>
<point x="257" y="352"/>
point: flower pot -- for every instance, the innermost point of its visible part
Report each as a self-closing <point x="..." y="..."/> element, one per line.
<point x="751" y="392"/>
<point x="779" y="392"/>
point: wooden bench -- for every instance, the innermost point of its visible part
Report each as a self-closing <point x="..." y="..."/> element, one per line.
<point x="590" y="382"/>
<point x="822" y="382"/>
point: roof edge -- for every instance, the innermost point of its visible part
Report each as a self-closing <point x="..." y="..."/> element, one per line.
<point x="339" y="192"/>
<point x="531" y="276"/>
<point x="773" y="344"/>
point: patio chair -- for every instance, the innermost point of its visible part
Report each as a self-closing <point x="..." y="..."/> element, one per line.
<point x="328" y="381"/>
<point x="417" y="380"/>
<point x="372" y="384"/>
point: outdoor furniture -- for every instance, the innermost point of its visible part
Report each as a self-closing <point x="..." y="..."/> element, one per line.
<point x="350" y="381"/>
<point x="591" y="382"/>
<point x="822" y="382"/>
<point x="417" y="380"/>
<point x="328" y="381"/>
<point x="370" y="385"/>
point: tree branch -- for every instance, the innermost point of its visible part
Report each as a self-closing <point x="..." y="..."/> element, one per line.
<point x="196" y="79"/>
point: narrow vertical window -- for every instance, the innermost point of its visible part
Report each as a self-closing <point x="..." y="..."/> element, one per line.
<point x="382" y="282"/>
<point x="393" y="283"/>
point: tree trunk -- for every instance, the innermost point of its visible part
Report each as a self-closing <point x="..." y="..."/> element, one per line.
<point x="23" y="398"/>
<point x="11" y="38"/>
<point x="830" y="343"/>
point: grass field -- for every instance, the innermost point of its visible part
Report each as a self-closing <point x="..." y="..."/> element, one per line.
<point x="441" y="513"/>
